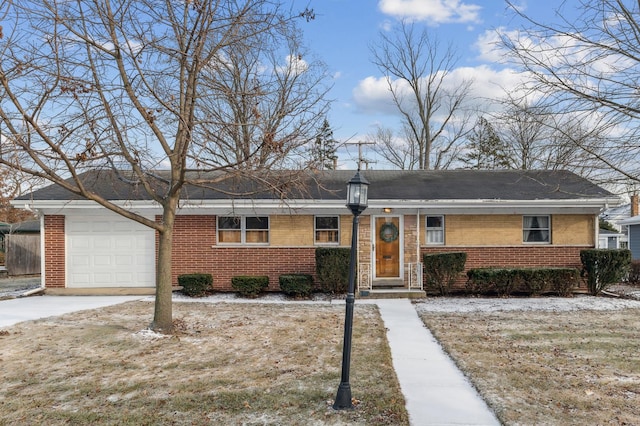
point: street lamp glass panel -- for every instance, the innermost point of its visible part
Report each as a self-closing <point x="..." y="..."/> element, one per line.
<point x="357" y="193"/>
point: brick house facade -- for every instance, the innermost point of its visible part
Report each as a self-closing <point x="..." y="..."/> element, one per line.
<point x="89" y="248"/>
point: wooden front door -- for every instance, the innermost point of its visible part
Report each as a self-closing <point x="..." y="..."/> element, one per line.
<point x="387" y="248"/>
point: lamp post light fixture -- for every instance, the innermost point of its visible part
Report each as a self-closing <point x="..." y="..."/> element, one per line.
<point x="357" y="197"/>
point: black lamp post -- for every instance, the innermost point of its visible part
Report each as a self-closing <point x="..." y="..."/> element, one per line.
<point x="357" y="203"/>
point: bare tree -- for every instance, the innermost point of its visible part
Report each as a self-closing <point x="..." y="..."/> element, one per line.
<point x="535" y="137"/>
<point x="137" y="85"/>
<point x="10" y="184"/>
<point x="526" y="134"/>
<point x="418" y="70"/>
<point x="588" y="68"/>
<point x="395" y="151"/>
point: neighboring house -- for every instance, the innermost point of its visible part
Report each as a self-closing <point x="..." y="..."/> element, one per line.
<point x="20" y="245"/>
<point x="633" y="235"/>
<point x="30" y="227"/>
<point x="610" y="240"/>
<point x="499" y="218"/>
<point x="614" y="215"/>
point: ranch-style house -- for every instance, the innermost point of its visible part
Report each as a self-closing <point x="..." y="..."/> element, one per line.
<point x="499" y="218"/>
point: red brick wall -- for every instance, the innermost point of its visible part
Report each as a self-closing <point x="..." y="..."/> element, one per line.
<point x="195" y="251"/>
<point x="516" y="256"/>
<point x="54" y="251"/>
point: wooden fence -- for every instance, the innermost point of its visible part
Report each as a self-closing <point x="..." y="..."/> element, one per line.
<point x="22" y="254"/>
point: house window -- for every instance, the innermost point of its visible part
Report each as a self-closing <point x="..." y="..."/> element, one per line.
<point x="327" y="229"/>
<point x="536" y="229"/>
<point x="435" y="229"/>
<point x="243" y="230"/>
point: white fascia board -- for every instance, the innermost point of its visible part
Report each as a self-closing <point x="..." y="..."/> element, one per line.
<point x="248" y="206"/>
<point x="591" y="205"/>
<point x="60" y="207"/>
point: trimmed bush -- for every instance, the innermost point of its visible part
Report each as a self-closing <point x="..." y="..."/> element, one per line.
<point x="196" y="285"/>
<point x="441" y="270"/>
<point x="250" y="286"/>
<point x="296" y="285"/>
<point x="603" y="267"/>
<point x="564" y="280"/>
<point x="529" y="281"/>
<point x="634" y="273"/>
<point x="332" y="269"/>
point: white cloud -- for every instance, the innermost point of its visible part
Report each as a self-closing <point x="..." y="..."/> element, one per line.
<point x="294" y="65"/>
<point x="432" y="11"/>
<point x="372" y="96"/>
<point x="489" y="45"/>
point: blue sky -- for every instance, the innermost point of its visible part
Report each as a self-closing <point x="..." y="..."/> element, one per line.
<point x="344" y="29"/>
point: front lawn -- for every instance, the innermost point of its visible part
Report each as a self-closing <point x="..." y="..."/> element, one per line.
<point x="228" y="364"/>
<point x="549" y="368"/>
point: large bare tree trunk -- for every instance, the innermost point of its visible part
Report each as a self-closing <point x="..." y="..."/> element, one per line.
<point x="163" y="313"/>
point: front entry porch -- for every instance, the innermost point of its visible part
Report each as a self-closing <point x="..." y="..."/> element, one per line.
<point x="410" y="285"/>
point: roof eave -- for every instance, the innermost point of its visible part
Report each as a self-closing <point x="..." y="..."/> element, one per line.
<point x="48" y="206"/>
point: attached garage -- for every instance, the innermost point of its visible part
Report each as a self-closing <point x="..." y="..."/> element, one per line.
<point x="109" y="251"/>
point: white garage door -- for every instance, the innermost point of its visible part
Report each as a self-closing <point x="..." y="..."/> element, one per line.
<point x="109" y="251"/>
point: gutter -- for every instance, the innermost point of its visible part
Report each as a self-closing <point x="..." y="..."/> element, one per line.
<point x="305" y="204"/>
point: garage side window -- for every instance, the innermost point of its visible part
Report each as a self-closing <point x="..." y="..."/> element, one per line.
<point x="536" y="229"/>
<point x="327" y="229"/>
<point x="435" y="229"/>
<point x="243" y="229"/>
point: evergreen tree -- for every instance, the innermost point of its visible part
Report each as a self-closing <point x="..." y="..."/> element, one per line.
<point x="486" y="151"/>
<point x="324" y="149"/>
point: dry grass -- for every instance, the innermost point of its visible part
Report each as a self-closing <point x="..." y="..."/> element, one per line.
<point x="229" y="364"/>
<point x="552" y="368"/>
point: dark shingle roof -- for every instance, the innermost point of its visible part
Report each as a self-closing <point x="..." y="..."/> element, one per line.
<point x="385" y="185"/>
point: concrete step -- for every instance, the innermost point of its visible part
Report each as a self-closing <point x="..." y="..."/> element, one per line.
<point x="391" y="293"/>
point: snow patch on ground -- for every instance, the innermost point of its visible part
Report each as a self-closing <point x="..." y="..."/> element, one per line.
<point x="148" y="334"/>
<point x="548" y="304"/>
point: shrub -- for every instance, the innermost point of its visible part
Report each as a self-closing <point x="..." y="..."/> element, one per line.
<point x="296" y="285"/>
<point x="332" y="268"/>
<point x="603" y="267"/>
<point x="196" y="285"/>
<point x="634" y="273"/>
<point x="250" y="286"/>
<point x="564" y="280"/>
<point x="531" y="281"/>
<point x="442" y="269"/>
<point x="497" y="281"/>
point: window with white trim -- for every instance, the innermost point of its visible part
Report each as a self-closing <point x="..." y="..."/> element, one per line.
<point x="536" y="229"/>
<point x="327" y="229"/>
<point x="243" y="230"/>
<point x="435" y="229"/>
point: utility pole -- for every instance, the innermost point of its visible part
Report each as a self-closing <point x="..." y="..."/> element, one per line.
<point x="360" y="158"/>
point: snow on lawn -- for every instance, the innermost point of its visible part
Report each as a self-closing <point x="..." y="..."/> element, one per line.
<point x="550" y="304"/>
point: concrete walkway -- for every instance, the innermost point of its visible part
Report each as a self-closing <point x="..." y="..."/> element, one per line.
<point x="436" y="392"/>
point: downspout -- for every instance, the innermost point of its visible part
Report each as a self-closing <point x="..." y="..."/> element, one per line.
<point x="42" y="256"/>
<point x="596" y="243"/>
